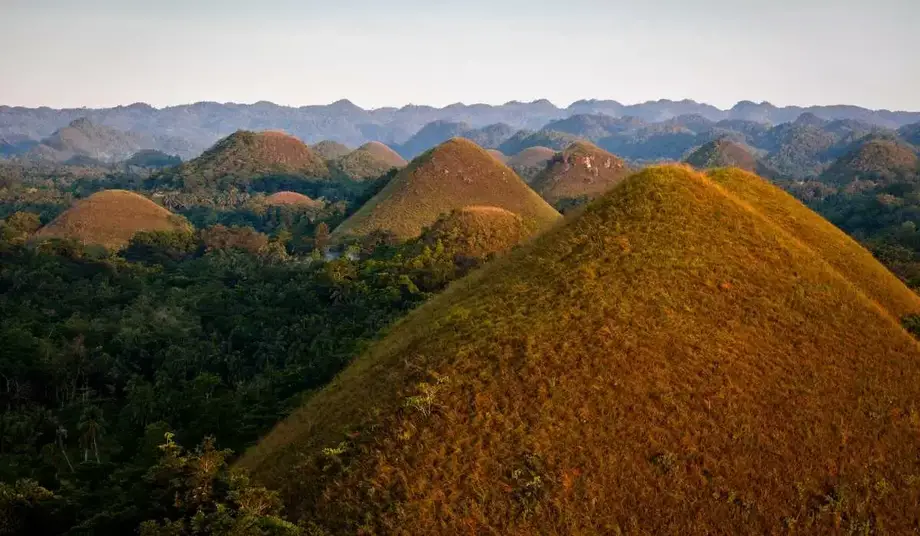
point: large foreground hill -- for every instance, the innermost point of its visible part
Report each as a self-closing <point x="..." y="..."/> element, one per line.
<point x="691" y="354"/>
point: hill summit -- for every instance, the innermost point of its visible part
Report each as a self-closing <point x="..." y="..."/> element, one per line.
<point x="582" y="170"/>
<point x="330" y="150"/>
<point x="723" y="153"/>
<point x="453" y="175"/>
<point x="245" y="155"/>
<point x="369" y="161"/>
<point x="682" y="357"/>
<point x="877" y="160"/>
<point x="110" y="218"/>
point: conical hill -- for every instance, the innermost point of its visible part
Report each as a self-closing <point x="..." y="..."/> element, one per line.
<point x="582" y="170"/>
<point x="110" y="218"/>
<point x="453" y="175"/>
<point x="676" y="359"/>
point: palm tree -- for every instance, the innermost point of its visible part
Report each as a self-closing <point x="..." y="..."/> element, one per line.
<point x="91" y="426"/>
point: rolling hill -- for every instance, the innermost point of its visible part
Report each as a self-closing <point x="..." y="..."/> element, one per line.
<point x="686" y="356"/>
<point x="330" y="150"/>
<point x="498" y="155"/>
<point x="453" y="175"/>
<point x="245" y="155"/>
<point x="291" y="198"/>
<point x="726" y="153"/>
<point x="476" y="231"/>
<point x="530" y="162"/>
<point x="110" y="218"/>
<point x="877" y="160"/>
<point x="544" y="138"/>
<point x="369" y="161"/>
<point x="582" y="170"/>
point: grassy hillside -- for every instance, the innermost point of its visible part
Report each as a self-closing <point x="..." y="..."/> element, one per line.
<point x="369" y="161"/>
<point x="110" y="218"/>
<point x="723" y="153"/>
<point x="476" y="231"/>
<point x="877" y="160"/>
<point x="330" y="150"/>
<point x="675" y="360"/>
<point x="246" y="155"/>
<point x="530" y="162"/>
<point x="291" y="198"/>
<point x="455" y="174"/>
<point x="582" y="170"/>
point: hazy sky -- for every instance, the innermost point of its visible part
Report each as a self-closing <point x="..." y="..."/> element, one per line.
<point x="381" y="53"/>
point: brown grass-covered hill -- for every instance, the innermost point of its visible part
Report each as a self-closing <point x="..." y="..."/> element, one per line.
<point x="369" y="161"/>
<point x="476" y="231"/>
<point x="110" y="218"/>
<point x="674" y="360"/>
<point x="453" y="175"/>
<point x="291" y="198"/>
<point x="530" y="162"/>
<point x="245" y="155"/>
<point x="330" y="150"/>
<point x="723" y="153"/>
<point x="582" y="170"/>
<point x="877" y="160"/>
<point x="498" y="155"/>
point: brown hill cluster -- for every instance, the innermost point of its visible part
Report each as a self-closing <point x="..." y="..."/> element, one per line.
<point x="653" y="366"/>
<point x="110" y="218"/>
<point x="456" y="174"/>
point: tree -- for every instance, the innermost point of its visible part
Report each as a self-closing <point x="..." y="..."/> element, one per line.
<point x="321" y="237"/>
<point x="91" y="426"/>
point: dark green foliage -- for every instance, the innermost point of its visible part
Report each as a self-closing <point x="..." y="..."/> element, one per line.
<point x="100" y="356"/>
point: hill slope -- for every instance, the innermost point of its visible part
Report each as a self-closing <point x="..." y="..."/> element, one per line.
<point x="530" y="162"/>
<point x="455" y="174"/>
<point x="581" y="170"/>
<point x="369" y="161"/>
<point x="330" y="150"/>
<point x="476" y="231"/>
<point x="291" y="198"/>
<point x="245" y="155"/>
<point x="878" y="160"/>
<point x="722" y="153"/>
<point x="110" y="218"/>
<point x="671" y="361"/>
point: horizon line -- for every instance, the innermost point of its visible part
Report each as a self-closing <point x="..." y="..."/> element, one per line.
<point x="346" y="101"/>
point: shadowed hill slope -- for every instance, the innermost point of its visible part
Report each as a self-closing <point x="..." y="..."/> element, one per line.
<point x="455" y="174"/>
<point x="834" y="246"/>
<point x="476" y="231"/>
<point x="110" y="218"/>
<point x="671" y="361"/>
<point x="878" y="160"/>
<point x="723" y="153"/>
<point x="245" y="155"/>
<point x="369" y="161"/>
<point x="581" y="170"/>
<point x="330" y="150"/>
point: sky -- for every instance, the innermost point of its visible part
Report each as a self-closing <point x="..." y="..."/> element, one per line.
<point x="99" y="53"/>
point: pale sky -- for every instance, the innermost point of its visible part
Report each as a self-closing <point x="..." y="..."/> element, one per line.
<point x="95" y="53"/>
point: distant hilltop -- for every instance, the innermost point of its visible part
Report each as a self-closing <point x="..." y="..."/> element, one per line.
<point x="203" y="123"/>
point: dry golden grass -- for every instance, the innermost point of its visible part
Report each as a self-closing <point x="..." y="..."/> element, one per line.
<point x="110" y="218"/>
<point x="671" y="361"/>
<point x="369" y="161"/>
<point x="291" y="198"/>
<point x="251" y="154"/>
<point x="453" y="175"/>
<point x="582" y="170"/>
<point x="477" y="231"/>
<point x="840" y="251"/>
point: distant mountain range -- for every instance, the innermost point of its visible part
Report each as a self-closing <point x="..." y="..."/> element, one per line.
<point x="203" y="123"/>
